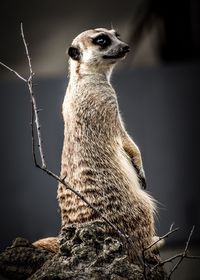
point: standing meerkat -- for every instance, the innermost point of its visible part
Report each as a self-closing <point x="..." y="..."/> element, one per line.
<point x="99" y="158"/>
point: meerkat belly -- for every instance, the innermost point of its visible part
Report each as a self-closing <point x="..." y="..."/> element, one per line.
<point x="109" y="182"/>
<point x="96" y="165"/>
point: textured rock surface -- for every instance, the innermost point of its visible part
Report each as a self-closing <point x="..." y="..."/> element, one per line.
<point x="21" y="260"/>
<point x="86" y="252"/>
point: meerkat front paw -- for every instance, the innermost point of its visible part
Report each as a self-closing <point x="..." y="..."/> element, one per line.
<point x="143" y="182"/>
<point x="140" y="174"/>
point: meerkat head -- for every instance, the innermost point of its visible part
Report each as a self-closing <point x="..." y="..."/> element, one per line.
<point x="97" y="50"/>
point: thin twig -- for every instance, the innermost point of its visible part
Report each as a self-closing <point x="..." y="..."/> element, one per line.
<point x="145" y="267"/>
<point x="27" y="52"/>
<point x="174" y="258"/>
<point x="183" y="255"/>
<point x="192" y="257"/>
<point x="180" y="256"/>
<point x="171" y="227"/>
<point x="33" y="101"/>
<point x="12" y="70"/>
<point x="33" y="136"/>
<point x="171" y="231"/>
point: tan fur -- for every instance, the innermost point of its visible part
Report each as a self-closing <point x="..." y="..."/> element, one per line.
<point x="97" y="152"/>
<point x="50" y="244"/>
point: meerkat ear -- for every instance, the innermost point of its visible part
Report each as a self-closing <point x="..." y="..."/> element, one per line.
<point x="74" y="53"/>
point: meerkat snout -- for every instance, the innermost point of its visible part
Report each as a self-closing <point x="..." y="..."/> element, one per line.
<point x="118" y="52"/>
<point x="126" y="49"/>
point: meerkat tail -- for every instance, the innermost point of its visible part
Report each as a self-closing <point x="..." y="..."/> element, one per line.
<point x="51" y="244"/>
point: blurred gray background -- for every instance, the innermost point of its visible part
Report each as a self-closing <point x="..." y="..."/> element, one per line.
<point x="158" y="87"/>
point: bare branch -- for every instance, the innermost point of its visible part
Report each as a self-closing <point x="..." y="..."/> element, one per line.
<point x="174" y="258"/>
<point x="183" y="255"/>
<point x="12" y="70"/>
<point x="35" y="119"/>
<point x="180" y="256"/>
<point x="192" y="257"/>
<point x="145" y="266"/>
<point x="27" y="52"/>
<point x="34" y="105"/>
<point x="171" y="227"/>
<point x="171" y="231"/>
<point x="33" y="136"/>
<point x="189" y="238"/>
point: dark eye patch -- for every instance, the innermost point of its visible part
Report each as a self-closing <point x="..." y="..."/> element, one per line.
<point x="102" y="40"/>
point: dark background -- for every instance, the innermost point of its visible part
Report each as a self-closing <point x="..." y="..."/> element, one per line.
<point x="158" y="88"/>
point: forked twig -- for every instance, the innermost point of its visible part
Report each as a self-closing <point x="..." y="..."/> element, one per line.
<point x="174" y="258"/>
<point x="180" y="256"/>
<point x="171" y="231"/>
<point x="12" y="70"/>
<point x="145" y="266"/>
<point x="183" y="255"/>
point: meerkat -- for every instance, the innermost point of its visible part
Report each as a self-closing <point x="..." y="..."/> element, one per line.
<point x="99" y="158"/>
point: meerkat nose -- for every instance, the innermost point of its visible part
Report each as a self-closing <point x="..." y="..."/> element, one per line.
<point x="126" y="49"/>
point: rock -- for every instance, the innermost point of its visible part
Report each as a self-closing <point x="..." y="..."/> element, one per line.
<point x="21" y="259"/>
<point x="86" y="252"/>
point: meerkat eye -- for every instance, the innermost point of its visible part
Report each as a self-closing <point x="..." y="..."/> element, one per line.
<point x="102" y="40"/>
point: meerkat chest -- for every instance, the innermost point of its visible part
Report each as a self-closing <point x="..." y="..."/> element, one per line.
<point x="90" y="103"/>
